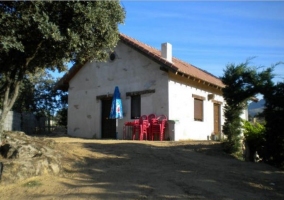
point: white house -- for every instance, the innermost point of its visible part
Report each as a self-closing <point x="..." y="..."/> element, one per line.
<point x="150" y="81"/>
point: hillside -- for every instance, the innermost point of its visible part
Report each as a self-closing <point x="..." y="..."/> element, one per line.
<point x="256" y="107"/>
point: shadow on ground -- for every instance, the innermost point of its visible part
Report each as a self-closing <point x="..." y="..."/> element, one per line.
<point x="114" y="169"/>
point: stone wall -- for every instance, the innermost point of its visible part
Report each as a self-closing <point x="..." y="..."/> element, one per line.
<point x="12" y="122"/>
<point x="26" y="122"/>
<point x="29" y="123"/>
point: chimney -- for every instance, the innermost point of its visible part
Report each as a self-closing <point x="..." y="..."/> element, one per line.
<point x="167" y="51"/>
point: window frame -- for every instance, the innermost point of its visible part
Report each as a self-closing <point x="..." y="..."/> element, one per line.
<point x="198" y="108"/>
<point x="135" y="106"/>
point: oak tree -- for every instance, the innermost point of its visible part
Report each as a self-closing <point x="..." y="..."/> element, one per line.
<point x="46" y="35"/>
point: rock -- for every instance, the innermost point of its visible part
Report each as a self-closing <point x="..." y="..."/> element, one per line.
<point x="26" y="156"/>
<point x="55" y="168"/>
<point x="12" y="153"/>
<point x="4" y="149"/>
<point x="1" y="169"/>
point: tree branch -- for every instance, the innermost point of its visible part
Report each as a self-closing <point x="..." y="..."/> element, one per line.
<point x="14" y="95"/>
<point x="29" y="59"/>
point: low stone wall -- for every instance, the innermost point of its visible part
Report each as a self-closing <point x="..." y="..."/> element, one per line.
<point x="29" y="123"/>
<point x="12" y="122"/>
<point x="26" y="122"/>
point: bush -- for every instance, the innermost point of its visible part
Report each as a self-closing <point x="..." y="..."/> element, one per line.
<point x="274" y="117"/>
<point x="254" y="137"/>
<point x="233" y="147"/>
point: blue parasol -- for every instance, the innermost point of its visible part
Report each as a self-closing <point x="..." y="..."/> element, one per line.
<point x="116" y="111"/>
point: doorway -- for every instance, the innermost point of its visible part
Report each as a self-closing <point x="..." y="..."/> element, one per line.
<point x="108" y="125"/>
<point x="217" y="116"/>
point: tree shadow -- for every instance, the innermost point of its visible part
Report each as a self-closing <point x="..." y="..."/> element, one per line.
<point x="149" y="170"/>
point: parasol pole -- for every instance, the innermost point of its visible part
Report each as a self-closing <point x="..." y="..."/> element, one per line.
<point x="116" y="133"/>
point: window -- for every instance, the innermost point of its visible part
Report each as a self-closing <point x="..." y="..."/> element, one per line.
<point x="198" y="110"/>
<point x="135" y="106"/>
<point x="198" y="107"/>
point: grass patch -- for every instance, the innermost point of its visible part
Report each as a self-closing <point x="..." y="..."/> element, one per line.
<point x="32" y="184"/>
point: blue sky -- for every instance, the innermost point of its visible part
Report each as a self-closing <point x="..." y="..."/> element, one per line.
<point x="211" y="34"/>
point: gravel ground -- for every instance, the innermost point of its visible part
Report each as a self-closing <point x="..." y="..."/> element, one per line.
<point x="124" y="169"/>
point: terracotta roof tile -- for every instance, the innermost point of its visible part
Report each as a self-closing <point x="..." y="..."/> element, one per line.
<point x="177" y="65"/>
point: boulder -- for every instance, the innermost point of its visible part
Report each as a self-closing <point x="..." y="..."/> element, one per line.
<point x="25" y="156"/>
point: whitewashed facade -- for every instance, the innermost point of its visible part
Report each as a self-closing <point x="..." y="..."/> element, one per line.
<point x="181" y="104"/>
<point x="162" y="92"/>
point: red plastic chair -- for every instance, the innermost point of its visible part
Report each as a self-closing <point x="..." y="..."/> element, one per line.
<point x="144" y="124"/>
<point x="163" y="123"/>
<point x="128" y="129"/>
<point x="135" y="128"/>
<point x="163" y="120"/>
<point x="140" y="128"/>
<point x="150" y="117"/>
<point x="157" y="127"/>
<point x="143" y="117"/>
<point x="161" y="117"/>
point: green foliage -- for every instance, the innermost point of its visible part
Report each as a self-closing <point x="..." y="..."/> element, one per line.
<point x="46" y="98"/>
<point x="38" y="35"/>
<point x="232" y="128"/>
<point x="45" y="34"/>
<point x="37" y="95"/>
<point x="255" y="137"/>
<point x="232" y="145"/>
<point x="26" y="101"/>
<point x="77" y="31"/>
<point x="62" y="117"/>
<point x="254" y="132"/>
<point x="274" y="117"/>
<point x="242" y="82"/>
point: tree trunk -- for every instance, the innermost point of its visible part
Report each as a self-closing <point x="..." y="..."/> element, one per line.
<point x="2" y="121"/>
<point x="8" y="102"/>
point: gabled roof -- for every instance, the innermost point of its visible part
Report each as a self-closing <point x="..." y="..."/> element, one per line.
<point x="176" y="66"/>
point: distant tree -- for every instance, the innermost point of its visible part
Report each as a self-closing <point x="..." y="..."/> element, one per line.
<point x="46" y="35"/>
<point x="61" y="115"/>
<point x="26" y="101"/>
<point x="47" y="100"/>
<point x="45" y="96"/>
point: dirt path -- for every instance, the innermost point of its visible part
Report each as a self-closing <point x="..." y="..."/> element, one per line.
<point x="117" y="169"/>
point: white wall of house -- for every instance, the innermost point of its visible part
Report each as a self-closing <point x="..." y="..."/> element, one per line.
<point x="130" y="71"/>
<point x="181" y="108"/>
<point x="244" y="114"/>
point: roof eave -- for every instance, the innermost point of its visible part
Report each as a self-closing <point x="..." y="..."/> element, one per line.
<point x="199" y="80"/>
<point x="63" y="83"/>
<point x="166" y="64"/>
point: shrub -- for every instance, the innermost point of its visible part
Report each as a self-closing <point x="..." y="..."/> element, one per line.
<point x="254" y="134"/>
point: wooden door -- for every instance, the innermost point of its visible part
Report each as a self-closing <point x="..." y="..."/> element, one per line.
<point x="217" y="116"/>
<point x="108" y="125"/>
